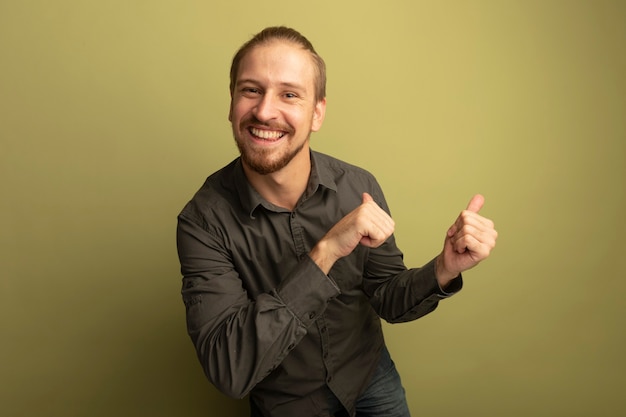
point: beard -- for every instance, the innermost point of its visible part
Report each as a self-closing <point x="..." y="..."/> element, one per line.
<point x="259" y="161"/>
<point x="266" y="161"/>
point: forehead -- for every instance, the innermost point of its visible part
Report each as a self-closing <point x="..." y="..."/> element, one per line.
<point x="278" y="61"/>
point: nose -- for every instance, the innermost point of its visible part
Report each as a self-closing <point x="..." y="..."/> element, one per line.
<point x="266" y="108"/>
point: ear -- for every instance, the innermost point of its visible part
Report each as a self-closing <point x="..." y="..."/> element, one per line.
<point x="319" y="112"/>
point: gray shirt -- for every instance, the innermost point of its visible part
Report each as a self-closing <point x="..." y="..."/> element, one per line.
<point x="265" y="320"/>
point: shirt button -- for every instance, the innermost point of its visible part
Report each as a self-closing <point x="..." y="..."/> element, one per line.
<point x="330" y="378"/>
<point x="323" y="329"/>
<point x="312" y="315"/>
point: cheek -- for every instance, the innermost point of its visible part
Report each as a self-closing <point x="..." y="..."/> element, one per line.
<point x="236" y="114"/>
<point x="239" y="107"/>
<point x="302" y="119"/>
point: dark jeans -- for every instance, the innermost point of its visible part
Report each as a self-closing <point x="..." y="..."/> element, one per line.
<point x="384" y="397"/>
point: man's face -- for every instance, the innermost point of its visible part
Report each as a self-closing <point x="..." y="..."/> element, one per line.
<point x="273" y="107"/>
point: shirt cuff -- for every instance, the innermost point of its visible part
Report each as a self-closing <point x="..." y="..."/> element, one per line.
<point x="452" y="288"/>
<point x="306" y="291"/>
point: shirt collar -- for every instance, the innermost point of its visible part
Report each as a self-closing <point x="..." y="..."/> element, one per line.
<point x="250" y="199"/>
<point x="321" y="174"/>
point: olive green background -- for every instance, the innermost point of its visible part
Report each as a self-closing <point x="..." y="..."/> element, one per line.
<point x="112" y="113"/>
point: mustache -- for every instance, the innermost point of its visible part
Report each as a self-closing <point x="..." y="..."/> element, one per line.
<point x="269" y="125"/>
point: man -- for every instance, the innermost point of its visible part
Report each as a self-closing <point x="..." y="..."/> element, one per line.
<point x="288" y="255"/>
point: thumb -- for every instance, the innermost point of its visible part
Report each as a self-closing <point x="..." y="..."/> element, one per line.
<point x="367" y="198"/>
<point x="476" y="203"/>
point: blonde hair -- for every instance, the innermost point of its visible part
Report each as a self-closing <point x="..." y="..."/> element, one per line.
<point x="281" y="33"/>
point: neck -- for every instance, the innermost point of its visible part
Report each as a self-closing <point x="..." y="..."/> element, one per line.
<point x="284" y="187"/>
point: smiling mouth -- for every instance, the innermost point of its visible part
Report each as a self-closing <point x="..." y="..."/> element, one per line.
<point x="266" y="134"/>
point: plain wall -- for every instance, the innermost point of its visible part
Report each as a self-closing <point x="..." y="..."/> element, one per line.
<point x="112" y="113"/>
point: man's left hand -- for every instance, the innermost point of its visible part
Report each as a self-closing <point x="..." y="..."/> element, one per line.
<point x="468" y="241"/>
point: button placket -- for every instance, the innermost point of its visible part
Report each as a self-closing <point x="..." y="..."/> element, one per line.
<point x="325" y="342"/>
<point x="297" y="234"/>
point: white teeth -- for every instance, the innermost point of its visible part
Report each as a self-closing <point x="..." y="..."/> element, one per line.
<point x="266" y="134"/>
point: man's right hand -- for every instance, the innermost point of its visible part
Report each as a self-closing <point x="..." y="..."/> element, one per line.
<point x="368" y="225"/>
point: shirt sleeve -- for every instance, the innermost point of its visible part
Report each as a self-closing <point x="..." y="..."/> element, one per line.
<point x="240" y="340"/>
<point x="407" y="294"/>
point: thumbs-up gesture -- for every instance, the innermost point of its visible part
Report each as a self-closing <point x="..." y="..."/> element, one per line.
<point x="368" y="225"/>
<point x="468" y="241"/>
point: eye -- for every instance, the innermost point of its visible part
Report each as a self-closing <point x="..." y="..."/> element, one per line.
<point x="250" y="91"/>
<point x="291" y="95"/>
